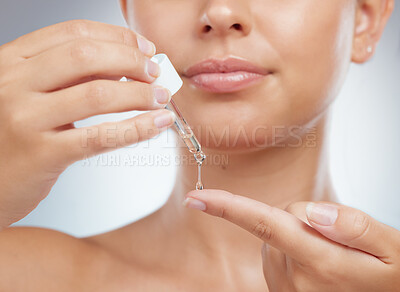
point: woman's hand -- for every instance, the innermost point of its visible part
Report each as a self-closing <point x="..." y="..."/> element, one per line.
<point x="60" y="74"/>
<point x="317" y="247"/>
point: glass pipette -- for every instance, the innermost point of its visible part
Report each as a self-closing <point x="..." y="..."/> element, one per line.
<point x="184" y="129"/>
<point x="170" y="79"/>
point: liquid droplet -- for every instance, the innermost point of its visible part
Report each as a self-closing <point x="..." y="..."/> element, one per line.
<point x="200" y="157"/>
<point x="199" y="186"/>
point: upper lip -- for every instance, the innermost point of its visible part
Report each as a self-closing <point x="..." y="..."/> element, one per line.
<point x="227" y="65"/>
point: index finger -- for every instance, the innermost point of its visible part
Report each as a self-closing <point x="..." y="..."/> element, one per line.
<point x="274" y="226"/>
<point x="34" y="43"/>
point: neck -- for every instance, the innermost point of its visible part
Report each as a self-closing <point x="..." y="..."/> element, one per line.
<point x="276" y="176"/>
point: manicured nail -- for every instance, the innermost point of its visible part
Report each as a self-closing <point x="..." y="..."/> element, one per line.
<point x="161" y="95"/>
<point x="153" y="69"/>
<point x="164" y="119"/>
<point x="194" y="204"/>
<point x="322" y="214"/>
<point x="146" y="46"/>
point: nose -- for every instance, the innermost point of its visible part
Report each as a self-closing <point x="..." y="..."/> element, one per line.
<point x="226" y="17"/>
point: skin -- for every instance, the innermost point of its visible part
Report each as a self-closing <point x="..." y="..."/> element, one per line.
<point x="177" y="248"/>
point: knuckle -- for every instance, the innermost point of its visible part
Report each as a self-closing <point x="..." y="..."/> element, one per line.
<point x="128" y="37"/>
<point x="290" y="208"/>
<point x="83" y="51"/>
<point x="262" y="230"/>
<point x="223" y="212"/>
<point x="17" y="123"/>
<point x="96" y="144"/>
<point x="87" y="142"/>
<point x="361" y="226"/>
<point x="97" y="95"/>
<point x="296" y="208"/>
<point x="17" y="120"/>
<point x="43" y="148"/>
<point x="225" y="209"/>
<point x="135" y="132"/>
<point x="78" y="28"/>
<point x="136" y="57"/>
<point x="98" y="139"/>
<point x="145" y="95"/>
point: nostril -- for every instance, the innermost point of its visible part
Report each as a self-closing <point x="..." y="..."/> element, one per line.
<point x="237" y="26"/>
<point x="207" y="28"/>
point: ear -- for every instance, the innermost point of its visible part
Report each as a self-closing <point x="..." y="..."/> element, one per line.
<point x="122" y="3"/>
<point x="371" y="18"/>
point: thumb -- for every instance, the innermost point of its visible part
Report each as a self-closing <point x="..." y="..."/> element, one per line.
<point x="353" y="228"/>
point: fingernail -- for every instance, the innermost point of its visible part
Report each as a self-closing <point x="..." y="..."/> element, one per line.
<point x="162" y="95"/>
<point x="153" y="69"/>
<point x="194" y="204"/>
<point x="322" y="214"/>
<point x="164" y="119"/>
<point x="146" y="46"/>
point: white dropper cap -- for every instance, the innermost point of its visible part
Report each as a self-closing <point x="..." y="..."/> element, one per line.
<point x="168" y="78"/>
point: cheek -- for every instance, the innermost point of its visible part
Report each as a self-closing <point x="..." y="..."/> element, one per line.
<point x="313" y="42"/>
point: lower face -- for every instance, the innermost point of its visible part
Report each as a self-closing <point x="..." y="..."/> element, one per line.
<point x="305" y="46"/>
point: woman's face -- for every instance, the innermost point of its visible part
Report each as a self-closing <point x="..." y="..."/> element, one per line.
<point x="306" y="46"/>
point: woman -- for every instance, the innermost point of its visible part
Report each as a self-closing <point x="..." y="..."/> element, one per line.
<point x="259" y="78"/>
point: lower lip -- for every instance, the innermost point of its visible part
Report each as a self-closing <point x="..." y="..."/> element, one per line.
<point x="225" y="82"/>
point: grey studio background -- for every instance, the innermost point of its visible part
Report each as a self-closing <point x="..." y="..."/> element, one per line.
<point x="103" y="193"/>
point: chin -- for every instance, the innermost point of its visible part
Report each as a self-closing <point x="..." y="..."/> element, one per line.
<point x="228" y="135"/>
<point x="253" y="128"/>
<point x="249" y="121"/>
<point x="241" y="139"/>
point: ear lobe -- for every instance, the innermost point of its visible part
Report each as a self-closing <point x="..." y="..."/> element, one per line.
<point x="371" y="18"/>
<point x="363" y="50"/>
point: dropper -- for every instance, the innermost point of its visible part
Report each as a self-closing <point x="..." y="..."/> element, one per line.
<point x="190" y="140"/>
<point x="171" y="80"/>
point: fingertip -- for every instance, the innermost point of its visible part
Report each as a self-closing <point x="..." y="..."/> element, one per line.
<point x="163" y="118"/>
<point x="145" y="46"/>
<point x="322" y="214"/>
<point x="193" y="193"/>
<point x="192" y="203"/>
<point x="203" y="192"/>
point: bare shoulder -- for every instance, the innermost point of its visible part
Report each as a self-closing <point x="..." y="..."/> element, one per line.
<point x="44" y="260"/>
<point x="32" y="235"/>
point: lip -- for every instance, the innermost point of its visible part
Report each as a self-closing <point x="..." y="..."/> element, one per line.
<point x="223" y="76"/>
